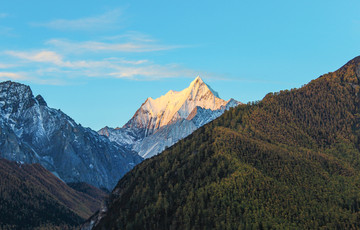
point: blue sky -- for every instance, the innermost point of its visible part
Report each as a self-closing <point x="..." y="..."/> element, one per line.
<point x="98" y="61"/>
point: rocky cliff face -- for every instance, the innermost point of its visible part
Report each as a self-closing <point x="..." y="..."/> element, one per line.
<point x="32" y="132"/>
<point x="161" y="122"/>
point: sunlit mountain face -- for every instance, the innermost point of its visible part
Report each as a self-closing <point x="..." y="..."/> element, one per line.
<point x="161" y="122"/>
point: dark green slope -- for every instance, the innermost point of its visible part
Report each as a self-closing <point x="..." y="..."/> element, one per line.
<point x="289" y="161"/>
<point x="32" y="197"/>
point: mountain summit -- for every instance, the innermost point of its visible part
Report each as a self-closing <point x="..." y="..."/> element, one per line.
<point x="163" y="121"/>
<point x="167" y="109"/>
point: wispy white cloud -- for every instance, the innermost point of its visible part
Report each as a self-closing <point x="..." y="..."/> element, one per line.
<point x="105" y="21"/>
<point x="64" y="59"/>
<point x="131" y="36"/>
<point x="42" y="56"/>
<point x="21" y="76"/>
<point x="94" y="46"/>
<point x="152" y="72"/>
<point x="51" y="57"/>
<point x="124" y="61"/>
<point x="12" y="76"/>
<point x="51" y="63"/>
<point x="61" y="61"/>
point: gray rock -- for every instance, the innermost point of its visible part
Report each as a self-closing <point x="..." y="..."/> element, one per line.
<point x="32" y="132"/>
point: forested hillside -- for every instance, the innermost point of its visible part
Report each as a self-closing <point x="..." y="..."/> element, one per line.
<point x="31" y="197"/>
<point x="291" y="160"/>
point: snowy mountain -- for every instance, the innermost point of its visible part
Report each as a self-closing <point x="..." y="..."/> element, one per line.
<point x="156" y="113"/>
<point x="161" y="122"/>
<point x="31" y="132"/>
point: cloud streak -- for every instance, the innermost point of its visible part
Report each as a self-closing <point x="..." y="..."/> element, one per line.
<point x="65" y="60"/>
<point x="94" y="46"/>
<point x="61" y="60"/>
<point x="20" y="76"/>
<point x="152" y="72"/>
<point x="105" y="21"/>
<point x="54" y="66"/>
<point x="42" y="56"/>
<point x="12" y="76"/>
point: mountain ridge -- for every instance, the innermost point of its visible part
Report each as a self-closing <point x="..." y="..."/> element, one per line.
<point x="288" y="161"/>
<point x="34" y="133"/>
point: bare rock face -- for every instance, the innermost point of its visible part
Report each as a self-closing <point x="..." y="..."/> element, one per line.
<point x="161" y="122"/>
<point x="31" y="132"/>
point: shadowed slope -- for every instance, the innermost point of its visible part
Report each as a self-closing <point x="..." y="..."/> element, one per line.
<point x="31" y="196"/>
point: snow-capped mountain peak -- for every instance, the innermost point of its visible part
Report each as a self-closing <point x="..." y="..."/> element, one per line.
<point x="199" y="84"/>
<point x="169" y="108"/>
<point x="165" y="120"/>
